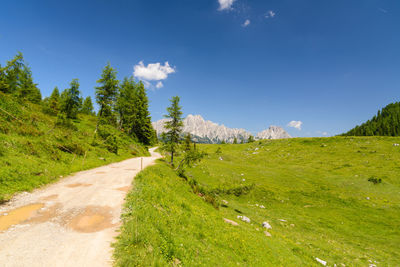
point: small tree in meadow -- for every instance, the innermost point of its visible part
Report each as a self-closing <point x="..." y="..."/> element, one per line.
<point x="173" y="126"/>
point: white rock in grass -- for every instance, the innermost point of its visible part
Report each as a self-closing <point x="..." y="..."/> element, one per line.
<point x="262" y="206"/>
<point x="220" y="158"/>
<point x="224" y="201"/>
<point x="231" y="222"/>
<point x="321" y="261"/>
<point x="267" y="233"/>
<point x="282" y="220"/>
<point x="395" y="144"/>
<point x="243" y="218"/>
<point x="266" y="225"/>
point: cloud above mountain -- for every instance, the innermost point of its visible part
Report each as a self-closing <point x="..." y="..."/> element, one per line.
<point x="153" y="71"/>
<point x="225" y="4"/>
<point x="295" y="124"/>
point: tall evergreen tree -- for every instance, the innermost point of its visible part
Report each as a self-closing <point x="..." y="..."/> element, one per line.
<point x="54" y="100"/>
<point x="51" y="104"/>
<point x="106" y="94"/>
<point x="87" y="106"/>
<point x="126" y="104"/>
<point x="188" y="142"/>
<point x="235" y="140"/>
<point x="27" y="89"/>
<point x="70" y="100"/>
<point x="141" y="126"/>
<point x="173" y="126"/>
<point x="12" y="74"/>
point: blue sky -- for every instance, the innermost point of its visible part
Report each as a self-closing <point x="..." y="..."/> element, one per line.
<point x="246" y="64"/>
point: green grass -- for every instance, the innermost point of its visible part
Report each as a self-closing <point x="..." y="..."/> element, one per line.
<point x="34" y="152"/>
<point x="318" y="186"/>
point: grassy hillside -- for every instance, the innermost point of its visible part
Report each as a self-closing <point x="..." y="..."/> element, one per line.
<point x="35" y="151"/>
<point x="318" y="194"/>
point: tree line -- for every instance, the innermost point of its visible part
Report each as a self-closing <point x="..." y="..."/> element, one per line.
<point x="123" y="105"/>
<point x="385" y="123"/>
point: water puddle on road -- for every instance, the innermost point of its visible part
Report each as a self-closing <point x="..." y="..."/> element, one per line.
<point x="92" y="219"/>
<point x="18" y="215"/>
<point x="77" y="185"/>
<point x="124" y="189"/>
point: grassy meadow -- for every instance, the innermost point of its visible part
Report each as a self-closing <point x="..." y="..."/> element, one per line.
<point x="336" y="199"/>
<point x="34" y="150"/>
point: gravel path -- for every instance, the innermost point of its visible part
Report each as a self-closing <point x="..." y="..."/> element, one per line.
<point x="71" y="222"/>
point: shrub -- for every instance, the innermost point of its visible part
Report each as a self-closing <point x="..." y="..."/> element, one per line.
<point x="374" y="180"/>
<point x="112" y="144"/>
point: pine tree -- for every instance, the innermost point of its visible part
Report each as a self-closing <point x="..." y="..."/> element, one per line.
<point x="27" y="89"/>
<point x="51" y="105"/>
<point x="250" y="139"/>
<point x="141" y="126"/>
<point x="235" y="140"/>
<point x="87" y="106"/>
<point x="70" y="100"/>
<point x="126" y="104"/>
<point x="106" y="94"/>
<point x="188" y="142"/>
<point x="173" y="126"/>
<point x="12" y="74"/>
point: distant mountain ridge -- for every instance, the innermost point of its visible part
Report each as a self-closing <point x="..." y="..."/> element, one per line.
<point x="209" y="132"/>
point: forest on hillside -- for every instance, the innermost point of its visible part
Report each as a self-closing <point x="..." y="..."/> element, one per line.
<point x="123" y="105"/>
<point x="385" y="123"/>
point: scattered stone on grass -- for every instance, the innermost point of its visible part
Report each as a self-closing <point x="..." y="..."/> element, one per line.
<point x="321" y="261"/>
<point x="224" y="201"/>
<point x="220" y="158"/>
<point x="282" y="220"/>
<point x="395" y="144"/>
<point x="266" y="225"/>
<point x="267" y="233"/>
<point x="231" y="222"/>
<point x="243" y="218"/>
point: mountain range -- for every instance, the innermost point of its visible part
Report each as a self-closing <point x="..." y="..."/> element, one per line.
<point x="209" y="132"/>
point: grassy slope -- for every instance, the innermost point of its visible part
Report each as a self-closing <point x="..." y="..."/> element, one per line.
<point x="33" y="151"/>
<point x="319" y="186"/>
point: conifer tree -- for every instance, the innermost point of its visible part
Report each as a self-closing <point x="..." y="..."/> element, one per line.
<point x="106" y="94"/>
<point x="87" y="106"/>
<point x="235" y="141"/>
<point x="250" y="139"/>
<point x="27" y="89"/>
<point x="12" y="74"/>
<point x="141" y="126"/>
<point x="70" y="100"/>
<point x="173" y="126"/>
<point x="188" y="142"/>
<point x="51" y="104"/>
<point x="126" y="104"/>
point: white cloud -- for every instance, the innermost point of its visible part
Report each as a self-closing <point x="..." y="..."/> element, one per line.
<point x="295" y="124"/>
<point x="324" y="133"/>
<point x="270" y="14"/>
<point x="146" y="84"/>
<point x="225" y="4"/>
<point x="246" y="23"/>
<point x="153" y="71"/>
<point x="159" y="85"/>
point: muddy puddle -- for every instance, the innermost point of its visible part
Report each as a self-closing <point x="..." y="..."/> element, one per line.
<point x="91" y="219"/>
<point x="77" y="185"/>
<point x="18" y="215"/>
<point x="124" y="189"/>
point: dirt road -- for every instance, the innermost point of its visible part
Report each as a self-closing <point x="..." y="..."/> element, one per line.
<point x="69" y="223"/>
